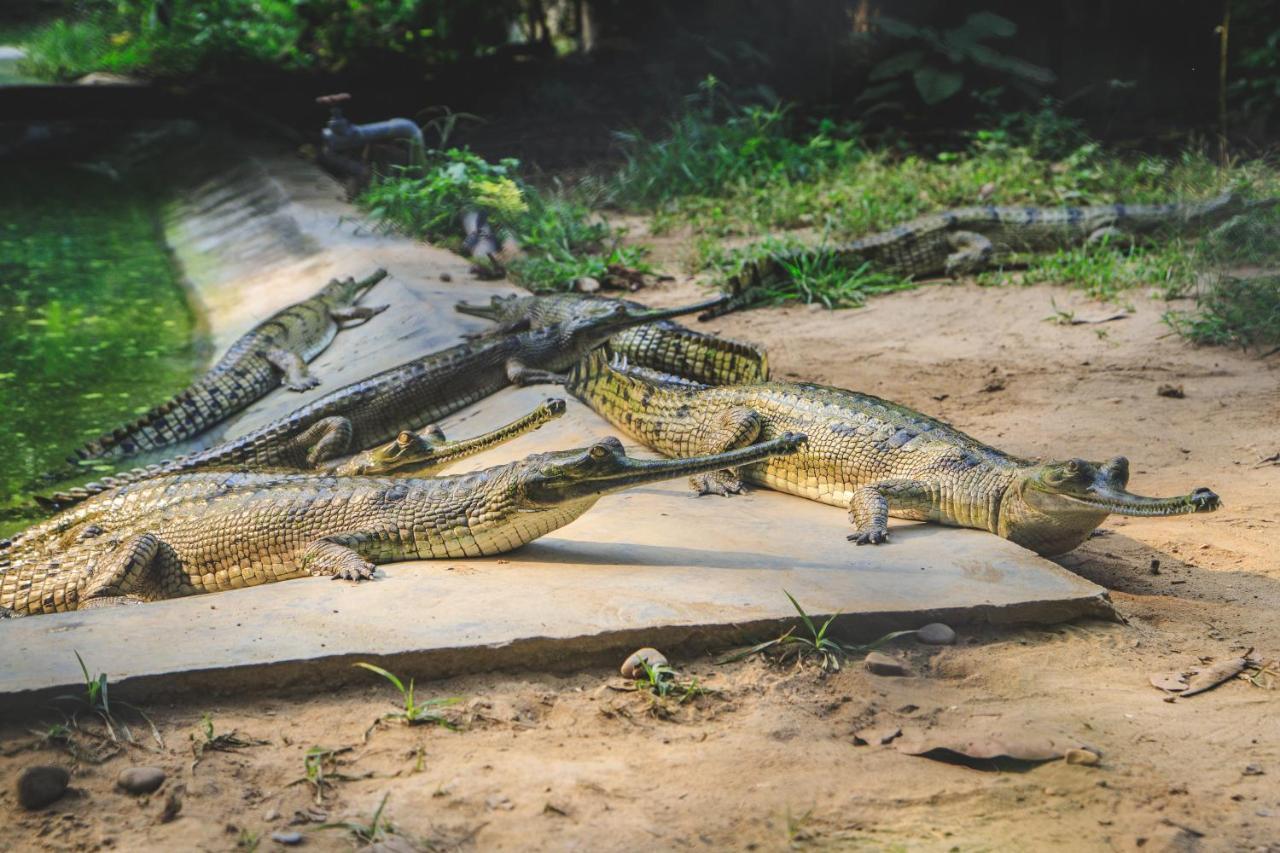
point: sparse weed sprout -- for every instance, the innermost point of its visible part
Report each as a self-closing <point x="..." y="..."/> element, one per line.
<point x="818" y="647"/>
<point x="414" y="713"/>
<point x="663" y="682"/>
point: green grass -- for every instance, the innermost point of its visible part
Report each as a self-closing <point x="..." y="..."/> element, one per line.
<point x="414" y="712"/>
<point x="1242" y="312"/>
<point x="819" y="646"/>
<point x="560" y="238"/>
<point x="764" y="173"/>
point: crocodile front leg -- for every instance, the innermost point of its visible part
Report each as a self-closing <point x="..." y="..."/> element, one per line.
<point x="730" y="430"/>
<point x="972" y="253"/>
<point x="289" y="363"/>
<point x="870" y="505"/>
<point x="337" y="557"/>
<point x="356" y="312"/>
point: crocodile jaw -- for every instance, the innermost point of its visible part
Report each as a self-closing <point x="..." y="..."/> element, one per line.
<point x="1052" y="523"/>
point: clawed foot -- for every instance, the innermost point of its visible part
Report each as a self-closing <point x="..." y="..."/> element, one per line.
<point x="717" y="483"/>
<point x="361" y="572"/>
<point x="870" y="536"/>
<point x="304" y="384"/>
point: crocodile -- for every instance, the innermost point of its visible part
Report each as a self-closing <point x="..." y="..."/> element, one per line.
<point x="408" y="396"/>
<point x="267" y="527"/>
<point x="273" y="353"/>
<point x="870" y="456"/>
<point x="410" y="454"/>
<point x="665" y="346"/>
<point x="966" y="240"/>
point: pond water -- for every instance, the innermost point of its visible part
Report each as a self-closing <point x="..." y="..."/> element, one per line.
<point x="94" y="325"/>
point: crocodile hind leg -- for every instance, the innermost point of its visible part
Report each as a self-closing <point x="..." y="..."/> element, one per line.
<point x="336" y="557"/>
<point x="296" y="376"/>
<point x="327" y="438"/>
<point x="730" y="430"/>
<point x="132" y="573"/>
<point x="869" y="507"/>
<point x="972" y="252"/>
<point x="356" y="312"/>
<point x="520" y="374"/>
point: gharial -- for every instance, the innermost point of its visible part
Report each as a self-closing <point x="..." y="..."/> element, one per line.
<point x="664" y="345"/>
<point x="409" y="454"/>
<point x="267" y="527"/>
<point x="274" y="352"/>
<point x="408" y="396"/>
<point x="872" y="457"/>
<point x="969" y="239"/>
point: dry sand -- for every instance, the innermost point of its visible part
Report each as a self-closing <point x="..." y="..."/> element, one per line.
<point x="768" y="760"/>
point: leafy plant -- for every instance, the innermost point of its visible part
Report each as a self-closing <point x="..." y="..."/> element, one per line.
<point x="414" y="713"/>
<point x="560" y="238"/>
<point x="224" y="742"/>
<point x="97" y="699"/>
<point x="938" y="61"/>
<point x="663" y="681"/>
<point x="129" y="36"/>
<point x="372" y="832"/>
<point x="716" y="146"/>
<point x="1234" y="311"/>
<point x="320" y="770"/>
<point x="817" y="646"/>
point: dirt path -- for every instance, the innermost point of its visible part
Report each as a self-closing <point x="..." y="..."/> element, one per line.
<point x="768" y="761"/>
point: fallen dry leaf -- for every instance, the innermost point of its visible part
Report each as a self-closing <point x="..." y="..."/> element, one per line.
<point x="1207" y="679"/>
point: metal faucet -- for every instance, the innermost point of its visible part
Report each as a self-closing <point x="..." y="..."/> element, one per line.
<point x="341" y="135"/>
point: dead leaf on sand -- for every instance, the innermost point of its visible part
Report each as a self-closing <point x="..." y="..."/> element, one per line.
<point x="1198" y="679"/>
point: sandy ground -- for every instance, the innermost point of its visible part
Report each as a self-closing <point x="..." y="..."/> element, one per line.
<point x="768" y="759"/>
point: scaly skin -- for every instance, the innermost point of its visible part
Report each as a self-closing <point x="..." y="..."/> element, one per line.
<point x="872" y="457"/>
<point x="266" y="528"/>
<point x="665" y="346"/>
<point x="275" y="352"/>
<point x="969" y="239"/>
<point x="410" y="454"/>
<point x="418" y="392"/>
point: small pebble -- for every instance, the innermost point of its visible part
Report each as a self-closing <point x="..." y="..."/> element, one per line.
<point x="272" y="814"/>
<point x="289" y="838"/>
<point x="631" y="667"/>
<point x="444" y="276"/>
<point x="936" y="634"/>
<point x="586" y="284"/>
<point x="140" y="780"/>
<point x="40" y="786"/>
<point x="1173" y="391"/>
<point x="881" y="664"/>
<point x="1083" y="757"/>
<point x="1253" y="770"/>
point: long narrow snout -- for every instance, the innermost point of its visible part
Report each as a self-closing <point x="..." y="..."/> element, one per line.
<point x="635" y="472"/>
<point x="1121" y="502"/>
<point x="364" y="285"/>
<point x="652" y="315"/>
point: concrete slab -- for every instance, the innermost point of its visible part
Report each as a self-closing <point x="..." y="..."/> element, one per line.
<point x="655" y="565"/>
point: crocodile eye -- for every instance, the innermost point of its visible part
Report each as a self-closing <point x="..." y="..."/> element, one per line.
<point x="1072" y="467"/>
<point x="405" y="438"/>
<point x="599" y="451"/>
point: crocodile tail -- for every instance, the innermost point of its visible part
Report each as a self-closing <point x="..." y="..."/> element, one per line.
<point x="156" y="428"/>
<point x="62" y="500"/>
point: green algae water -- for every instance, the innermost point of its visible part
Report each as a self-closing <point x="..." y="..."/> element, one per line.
<point x="94" y="325"/>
